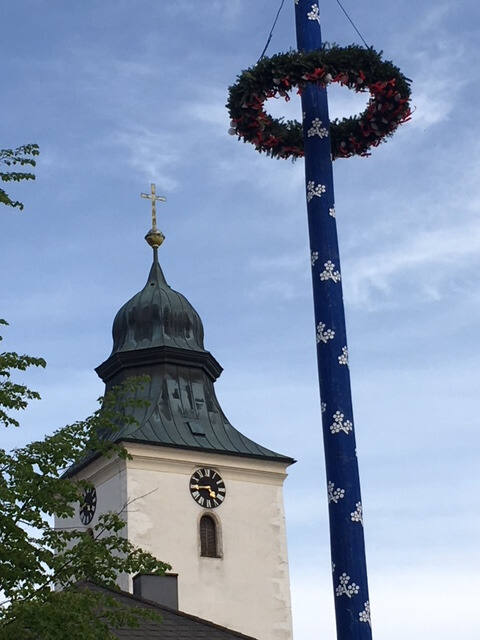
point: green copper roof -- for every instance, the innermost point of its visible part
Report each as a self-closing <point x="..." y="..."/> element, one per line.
<point x="157" y="316"/>
<point x="183" y="412"/>
<point x="158" y="333"/>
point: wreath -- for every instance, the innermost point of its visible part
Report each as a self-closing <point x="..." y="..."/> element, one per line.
<point x="354" y="67"/>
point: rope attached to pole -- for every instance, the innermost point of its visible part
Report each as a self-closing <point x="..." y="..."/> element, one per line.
<point x="272" y="29"/>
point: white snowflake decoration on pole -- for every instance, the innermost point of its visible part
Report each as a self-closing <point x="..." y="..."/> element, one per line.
<point x="317" y="129"/>
<point x="345" y="589"/>
<point x="331" y="212"/>
<point x="339" y="424"/>
<point x="313" y="190"/>
<point x="324" y="335"/>
<point x="334" y="495"/>
<point x="357" y="515"/>
<point x="314" y="257"/>
<point x="365" y="614"/>
<point x="314" y="14"/>
<point x="329" y="273"/>
<point x="343" y="358"/>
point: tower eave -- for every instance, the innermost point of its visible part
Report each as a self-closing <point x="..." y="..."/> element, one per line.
<point x="81" y="464"/>
<point x="159" y="355"/>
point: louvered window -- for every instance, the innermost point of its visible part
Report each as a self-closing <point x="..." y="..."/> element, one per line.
<point x="208" y="537"/>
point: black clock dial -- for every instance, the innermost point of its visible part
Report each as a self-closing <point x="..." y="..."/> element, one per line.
<point x="207" y="488"/>
<point x="88" y="505"/>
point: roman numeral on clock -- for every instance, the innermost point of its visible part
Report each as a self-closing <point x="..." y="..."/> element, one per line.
<point x="207" y="488"/>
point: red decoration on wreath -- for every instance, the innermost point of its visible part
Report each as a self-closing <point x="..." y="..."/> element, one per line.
<point x="357" y="68"/>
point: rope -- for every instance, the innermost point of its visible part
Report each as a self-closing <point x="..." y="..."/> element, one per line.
<point x="352" y="22"/>
<point x="271" y="30"/>
<point x="278" y="14"/>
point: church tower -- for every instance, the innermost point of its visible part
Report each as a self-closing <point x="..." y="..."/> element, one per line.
<point x="200" y="495"/>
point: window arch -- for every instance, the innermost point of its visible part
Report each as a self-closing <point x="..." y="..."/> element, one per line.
<point x="208" y="537"/>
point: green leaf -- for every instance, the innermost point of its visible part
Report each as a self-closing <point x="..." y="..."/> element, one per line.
<point x="22" y="156"/>
<point x="34" y="557"/>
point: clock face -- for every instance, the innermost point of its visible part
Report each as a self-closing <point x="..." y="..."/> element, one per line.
<point x="88" y="505"/>
<point x="207" y="488"/>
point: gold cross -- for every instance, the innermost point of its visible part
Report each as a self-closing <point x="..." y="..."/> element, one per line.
<point x="154" y="198"/>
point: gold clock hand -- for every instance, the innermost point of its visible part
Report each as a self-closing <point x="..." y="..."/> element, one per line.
<point x="205" y="486"/>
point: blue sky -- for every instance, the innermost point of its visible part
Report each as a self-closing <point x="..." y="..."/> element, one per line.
<point x="119" y="94"/>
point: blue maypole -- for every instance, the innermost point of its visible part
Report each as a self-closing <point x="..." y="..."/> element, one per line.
<point x="352" y="605"/>
<point x="311" y="69"/>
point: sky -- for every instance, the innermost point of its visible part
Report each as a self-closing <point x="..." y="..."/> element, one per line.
<point x="120" y="94"/>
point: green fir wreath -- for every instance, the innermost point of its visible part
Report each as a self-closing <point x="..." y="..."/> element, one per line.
<point x="355" y="67"/>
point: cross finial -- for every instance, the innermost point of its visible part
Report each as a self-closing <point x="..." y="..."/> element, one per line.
<point x="154" y="237"/>
<point x="154" y="198"/>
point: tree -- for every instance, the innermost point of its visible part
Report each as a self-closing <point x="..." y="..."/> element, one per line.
<point x="21" y="156"/>
<point x="34" y="557"/>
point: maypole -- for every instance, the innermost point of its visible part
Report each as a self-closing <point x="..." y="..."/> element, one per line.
<point x="310" y="70"/>
<point x="349" y="567"/>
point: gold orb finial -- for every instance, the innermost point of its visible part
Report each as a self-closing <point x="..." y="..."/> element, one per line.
<point x="154" y="238"/>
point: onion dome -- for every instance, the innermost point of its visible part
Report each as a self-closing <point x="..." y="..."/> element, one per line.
<point x="157" y="316"/>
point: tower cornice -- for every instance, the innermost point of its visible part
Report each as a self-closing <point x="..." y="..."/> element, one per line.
<point x="159" y="355"/>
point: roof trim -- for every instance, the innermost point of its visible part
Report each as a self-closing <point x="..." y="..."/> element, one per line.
<point x="159" y="355"/>
<point x="155" y="605"/>
<point x="75" y="468"/>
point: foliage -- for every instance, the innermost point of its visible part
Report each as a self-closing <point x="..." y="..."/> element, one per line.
<point x="21" y="156"/>
<point x="12" y="395"/>
<point x="76" y="613"/>
<point x="34" y="557"/>
<point x="355" y="67"/>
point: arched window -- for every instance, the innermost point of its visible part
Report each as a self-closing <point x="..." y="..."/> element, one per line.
<point x="208" y="537"/>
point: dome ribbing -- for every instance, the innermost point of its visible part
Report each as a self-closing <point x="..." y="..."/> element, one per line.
<point x="157" y="316"/>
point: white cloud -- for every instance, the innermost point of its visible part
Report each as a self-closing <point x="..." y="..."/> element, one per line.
<point x="380" y="256"/>
<point x="220" y="10"/>
<point x="209" y="110"/>
<point x="436" y="66"/>
<point x="344" y="102"/>
<point x="423" y="602"/>
<point x="152" y="154"/>
<point x="432" y="103"/>
<point x="429" y="258"/>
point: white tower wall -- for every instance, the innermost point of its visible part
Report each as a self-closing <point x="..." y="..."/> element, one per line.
<point x="247" y="588"/>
